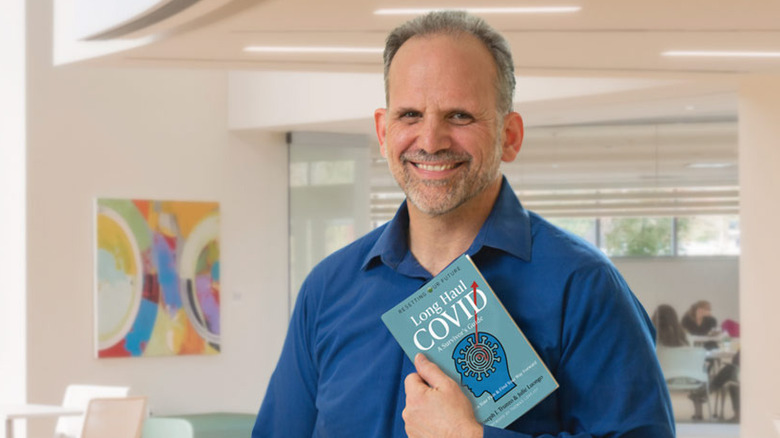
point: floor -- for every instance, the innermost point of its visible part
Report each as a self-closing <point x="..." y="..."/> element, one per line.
<point x="707" y="428"/>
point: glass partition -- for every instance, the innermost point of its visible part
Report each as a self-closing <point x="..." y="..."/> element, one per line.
<point x="329" y="197"/>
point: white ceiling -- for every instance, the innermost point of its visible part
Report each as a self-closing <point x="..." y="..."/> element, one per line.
<point x="604" y="37"/>
<point x="564" y="61"/>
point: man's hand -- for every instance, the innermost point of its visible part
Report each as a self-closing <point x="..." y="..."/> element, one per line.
<point x="435" y="405"/>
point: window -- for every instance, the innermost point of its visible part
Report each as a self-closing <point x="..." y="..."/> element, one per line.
<point x="704" y="235"/>
<point x="637" y="236"/>
<point x="708" y="235"/>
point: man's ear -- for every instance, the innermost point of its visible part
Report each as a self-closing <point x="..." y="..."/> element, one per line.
<point x="513" y="136"/>
<point x="380" y="123"/>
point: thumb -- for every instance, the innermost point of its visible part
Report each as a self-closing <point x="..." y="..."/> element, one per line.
<point x="430" y="372"/>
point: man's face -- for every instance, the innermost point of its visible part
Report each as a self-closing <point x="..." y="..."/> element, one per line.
<point x="441" y="133"/>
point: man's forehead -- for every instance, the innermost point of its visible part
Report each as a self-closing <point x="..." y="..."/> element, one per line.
<point x="442" y="55"/>
<point x="456" y="38"/>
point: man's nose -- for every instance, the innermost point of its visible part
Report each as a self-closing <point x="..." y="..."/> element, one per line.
<point x="434" y="135"/>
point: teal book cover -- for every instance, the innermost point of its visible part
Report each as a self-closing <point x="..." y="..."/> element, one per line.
<point x="457" y="321"/>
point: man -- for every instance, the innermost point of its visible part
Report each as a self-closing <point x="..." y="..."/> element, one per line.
<point x="448" y="124"/>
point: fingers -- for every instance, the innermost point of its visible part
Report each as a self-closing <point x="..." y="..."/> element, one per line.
<point x="414" y="383"/>
<point x="429" y="372"/>
<point x="417" y="383"/>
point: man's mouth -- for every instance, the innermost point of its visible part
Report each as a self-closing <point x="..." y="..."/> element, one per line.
<point x="435" y="167"/>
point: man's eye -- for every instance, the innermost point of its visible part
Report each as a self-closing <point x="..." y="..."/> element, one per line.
<point x="410" y="117"/>
<point x="461" y="118"/>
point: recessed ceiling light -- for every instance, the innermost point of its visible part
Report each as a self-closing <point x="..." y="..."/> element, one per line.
<point x="516" y="10"/>
<point x="721" y="54"/>
<point x="300" y="49"/>
<point x="709" y="165"/>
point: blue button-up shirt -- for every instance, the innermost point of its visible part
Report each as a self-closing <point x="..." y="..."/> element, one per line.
<point x="341" y="373"/>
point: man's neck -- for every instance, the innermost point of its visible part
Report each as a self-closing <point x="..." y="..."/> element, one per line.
<point x="435" y="241"/>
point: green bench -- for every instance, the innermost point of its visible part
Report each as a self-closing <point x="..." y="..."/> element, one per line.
<point x="212" y="425"/>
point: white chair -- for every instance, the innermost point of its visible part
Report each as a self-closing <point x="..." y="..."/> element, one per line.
<point x="114" y="418"/>
<point x="78" y="396"/>
<point x="685" y="370"/>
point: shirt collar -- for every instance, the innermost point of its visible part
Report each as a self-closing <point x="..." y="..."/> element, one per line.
<point x="393" y="244"/>
<point x="507" y="228"/>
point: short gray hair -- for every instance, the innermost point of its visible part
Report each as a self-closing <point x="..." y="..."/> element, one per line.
<point x="454" y="23"/>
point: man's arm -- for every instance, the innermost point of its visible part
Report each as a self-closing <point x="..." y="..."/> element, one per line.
<point x="610" y="380"/>
<point x="288" y="409"/>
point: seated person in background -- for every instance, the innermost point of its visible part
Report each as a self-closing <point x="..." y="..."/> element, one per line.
<point x="669" y="332"/>
<point x="698" y="320"/>
<point x="729" y="374"/>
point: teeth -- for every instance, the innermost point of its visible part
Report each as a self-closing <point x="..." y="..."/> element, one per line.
<point x="434" y="168"/>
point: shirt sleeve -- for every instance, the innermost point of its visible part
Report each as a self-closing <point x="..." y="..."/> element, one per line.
<point x="611" y="384"/>
<point x="289" y="409"/>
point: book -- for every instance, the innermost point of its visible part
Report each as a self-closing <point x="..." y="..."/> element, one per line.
<point x="458" y="322"/>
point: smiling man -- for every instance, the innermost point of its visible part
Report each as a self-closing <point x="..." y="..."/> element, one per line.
<point x="444" y="137"/>
<point x="449" y="81"/>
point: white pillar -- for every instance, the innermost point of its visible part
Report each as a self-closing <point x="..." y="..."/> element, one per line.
<point x="759" y="173"/>
<point x="13" y="376"/>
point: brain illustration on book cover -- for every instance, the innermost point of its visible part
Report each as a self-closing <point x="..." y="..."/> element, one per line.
<point x="483" y="366"/>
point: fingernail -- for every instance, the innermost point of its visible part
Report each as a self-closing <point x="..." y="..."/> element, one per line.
<point x="421" y="357"/>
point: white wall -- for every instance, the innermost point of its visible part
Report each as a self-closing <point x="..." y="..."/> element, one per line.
<point x="302" y="98"/>
<point x="12" y="200"/>
<point x="149" y="134"/>
<point x="759" y="165"/>
<point x="680" y="281"/>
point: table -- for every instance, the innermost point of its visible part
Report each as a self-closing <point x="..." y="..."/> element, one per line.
<point x="703" y="341"/>
<point x="9" y="413"/>
<point x="716" y="358"/>
<point x="721" y="354"/>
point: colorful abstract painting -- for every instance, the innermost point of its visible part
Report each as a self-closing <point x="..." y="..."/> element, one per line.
<point x="157" y="268"/>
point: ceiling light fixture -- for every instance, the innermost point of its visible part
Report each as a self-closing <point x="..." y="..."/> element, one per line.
<point x="303" y="49"/>
<point x="710" y="165"/>
<point x="516" y="10"/>
<point x="720" y="54"/>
